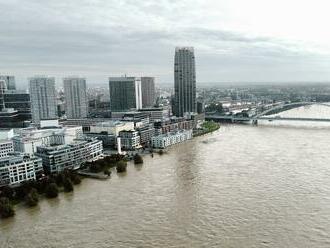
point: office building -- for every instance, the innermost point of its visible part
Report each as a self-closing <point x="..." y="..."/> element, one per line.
<point x="75" y="97"/>
<point x="43" y="98"/>
<point x="17" y="168"/>
<point x="184" y="81"/>
<point x="70" y="156"/>
<point x="125" y="93"/>
<point x="10" y="82"/>
<point x="148" y="92"/>
<point x="19" y="101"/>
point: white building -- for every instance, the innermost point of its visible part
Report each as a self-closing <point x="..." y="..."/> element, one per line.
<point x="129" y="140"/>
<point x="112" y="127"/>
<point x="172" y="138"/>
<point x="6" y="144"/>
<point x="43" y="98"/>
<point x="28" y="139"/>
<point x="18" y="168"/>
<point x="71" y="156"/>
<point x="75" y="97"/>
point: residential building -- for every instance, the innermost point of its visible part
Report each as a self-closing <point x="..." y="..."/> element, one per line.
<point x="10" y="81"/>
<point x="75" y="97"/>
<point x="130" y="140"/>
<point x="146" y="132"/>
<point x="125" y="93"/>
<point x="148" y="92"/>
<point x="28" y="139"/>
<point x="184" y="81"/>
<point x="165" y="140"/>
<point x="17" y="168"/>
<point x="43" y="98"/>
<point x="173" y="124"/>
<point x="2" y="93"/>
<point x="70" y="156"/>
<point x="6" y="147"/>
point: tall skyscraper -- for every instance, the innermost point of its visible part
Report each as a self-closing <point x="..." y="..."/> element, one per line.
<point x="184" y="81"/>
<point x="75" y="97"/>
<point x="43" y="98"/>
<point x="148" y="92"/>
<point x="125" y="93"/>
<point x="2" y="94"/>
<point x="10" y="82"/>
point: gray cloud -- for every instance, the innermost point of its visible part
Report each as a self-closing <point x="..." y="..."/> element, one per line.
<point x="101" y="38"/>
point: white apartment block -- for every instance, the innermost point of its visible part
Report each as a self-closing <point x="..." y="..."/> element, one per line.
<point x="71" y="156"/>
<point x="129" y="140"/>
<point x="112" y="127"/>
<point x="28" y="139"/>
<point x="18" y="168"/>
<point x="172" y="138"/>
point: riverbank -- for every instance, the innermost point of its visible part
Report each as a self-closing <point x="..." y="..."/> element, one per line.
<point x="50" y="186"/>
<point x="207" y="127"/>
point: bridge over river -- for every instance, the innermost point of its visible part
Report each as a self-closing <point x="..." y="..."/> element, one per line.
<point x="264" y="114"/>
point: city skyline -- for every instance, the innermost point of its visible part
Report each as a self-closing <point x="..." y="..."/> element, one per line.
<point x="253" y="45"/>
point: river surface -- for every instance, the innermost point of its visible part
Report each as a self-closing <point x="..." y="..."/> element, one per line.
<point x="242" y="186"/>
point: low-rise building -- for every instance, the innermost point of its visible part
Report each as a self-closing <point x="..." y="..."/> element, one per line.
<point x="112" y="127"/>
<point x="172" y="125"/>
<point x="130" y="140"/>
<point x="17" y="168"/>
<point x="171" y="138"/>
<point x="28" y="139"/>
<point x="70" y="156"/>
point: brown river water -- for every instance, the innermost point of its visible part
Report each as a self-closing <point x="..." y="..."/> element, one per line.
<point x="242" y="186"/>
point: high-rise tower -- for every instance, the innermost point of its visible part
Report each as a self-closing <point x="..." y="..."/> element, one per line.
<point x="43" y="98"/>
<point x="125" y="93"/>
<point x="148" y="92"/>
<point x="184" y="81"/>
<point x="75" y="97"/>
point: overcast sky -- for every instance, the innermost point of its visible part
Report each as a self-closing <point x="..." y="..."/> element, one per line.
<point x="234" y="40"/>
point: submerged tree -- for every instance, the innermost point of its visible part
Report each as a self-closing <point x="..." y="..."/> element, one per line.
<point x="51" y="190"/>
<point x="121" y="166"/>
<point x="32" y="198"/>
<point x="138" y="159"/>
<point x="67" y="184"/>
<point x="6" y="208"/>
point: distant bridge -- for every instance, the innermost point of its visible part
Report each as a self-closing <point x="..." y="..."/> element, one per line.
<point x="263" y="115"/>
